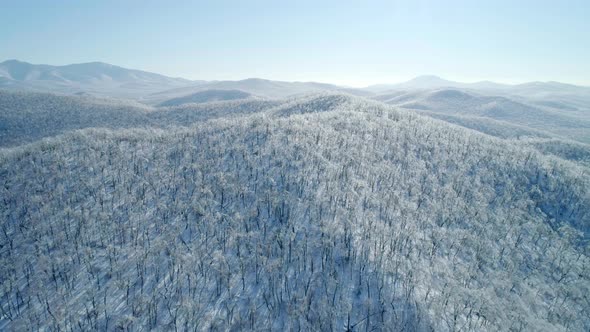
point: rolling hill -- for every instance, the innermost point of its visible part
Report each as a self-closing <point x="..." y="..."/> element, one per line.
<point x="28" y="116"/>
<point x="573" y="124"/>
<point x="207" y="96"/>
<point x="255" y="86"/>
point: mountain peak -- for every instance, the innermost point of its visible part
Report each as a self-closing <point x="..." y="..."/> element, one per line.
<point x="427" y="77"/>
<point x="13" y="61"/>
<point x="428" y="82"/>
<point x="431" y="79"/>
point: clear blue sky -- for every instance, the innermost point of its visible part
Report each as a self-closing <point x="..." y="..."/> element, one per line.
<point x="347" y="42"/>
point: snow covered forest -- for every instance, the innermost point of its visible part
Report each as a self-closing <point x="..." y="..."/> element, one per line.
<point x="318" y="212"/>
<point x="267" y="166"/>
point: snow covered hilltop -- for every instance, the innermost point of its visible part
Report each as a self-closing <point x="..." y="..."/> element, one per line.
<point x="326" y="212"/>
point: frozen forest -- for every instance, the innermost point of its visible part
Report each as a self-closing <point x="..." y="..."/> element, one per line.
<point x="321" y="212"/>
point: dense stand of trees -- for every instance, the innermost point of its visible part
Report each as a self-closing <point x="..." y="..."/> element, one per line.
<point x="358" y="218"/>
<point x="26" y="117"/>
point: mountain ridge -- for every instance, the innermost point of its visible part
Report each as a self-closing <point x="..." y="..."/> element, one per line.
<point x="435" y="82"/>
<point x="111" y="80"/>
<point x="7" y="65"/>
<point x="98" y="78"/>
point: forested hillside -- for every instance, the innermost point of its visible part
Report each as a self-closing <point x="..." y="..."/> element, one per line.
<point x="320" y="213"/>
<point x="26" y="117"/>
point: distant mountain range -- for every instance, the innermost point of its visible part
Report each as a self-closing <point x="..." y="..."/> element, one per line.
<point x="94" y="78"/>
<point x="433" y="82"/>
<point x="102" y="79"/>
<point x="428" y="82"/>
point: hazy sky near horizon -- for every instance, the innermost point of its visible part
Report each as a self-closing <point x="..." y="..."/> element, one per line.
<point x="355" y="43"/>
